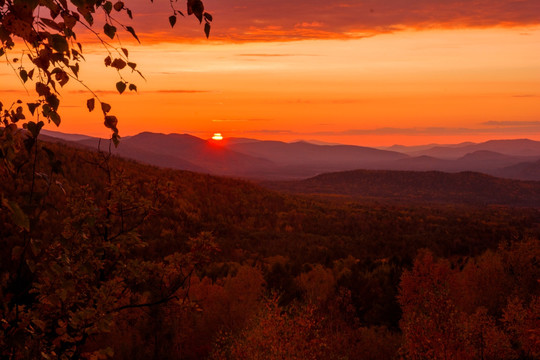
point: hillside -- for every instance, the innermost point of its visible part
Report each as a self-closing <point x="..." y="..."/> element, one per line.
<point x="424" y="187"/>
<point x="106" y="225"/>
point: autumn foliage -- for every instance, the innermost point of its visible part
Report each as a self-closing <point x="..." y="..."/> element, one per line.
<point x="450" y="312"/>
<point x="107" y="258"/>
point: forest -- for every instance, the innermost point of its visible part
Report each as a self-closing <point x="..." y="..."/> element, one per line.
<point x="104" y="257"/>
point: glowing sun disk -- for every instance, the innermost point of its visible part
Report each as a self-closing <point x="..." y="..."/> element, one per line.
<point x="217" y="136"/>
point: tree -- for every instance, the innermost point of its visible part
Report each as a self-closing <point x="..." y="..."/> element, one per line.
<point x="47" y="33"/>
<point x="71" y="262"/>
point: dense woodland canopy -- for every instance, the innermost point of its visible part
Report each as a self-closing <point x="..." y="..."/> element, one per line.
<point x="117" y="254"/>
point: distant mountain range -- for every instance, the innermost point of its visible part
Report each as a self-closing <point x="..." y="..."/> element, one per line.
<point x="275" y="160"/>
<point x="418" y="187"/>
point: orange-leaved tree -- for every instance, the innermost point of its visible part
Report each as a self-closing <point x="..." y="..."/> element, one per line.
<point x="71" y="254"/>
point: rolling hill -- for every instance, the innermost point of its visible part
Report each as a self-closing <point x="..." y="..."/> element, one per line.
<point x="424" y="187"/>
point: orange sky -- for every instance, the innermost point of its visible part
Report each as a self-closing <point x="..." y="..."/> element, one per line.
<point x="354" y="73"/>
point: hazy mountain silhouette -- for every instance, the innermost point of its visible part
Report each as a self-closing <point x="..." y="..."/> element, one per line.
<point x="64" y="136"/>
<point x="308" y="155"/>
<point x="244" y="157"/>
<point x="416" y="149"/>
<point x="517" y="147"/>
<point x="523" y="171"/>
<point x="416" y="186"/>
<point x="485" y="161"/>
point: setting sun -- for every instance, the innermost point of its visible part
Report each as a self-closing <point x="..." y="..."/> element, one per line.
<point x="217" y="136"/>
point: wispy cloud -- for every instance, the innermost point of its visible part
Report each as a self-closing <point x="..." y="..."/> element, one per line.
<point x="532" y="128"/>
<point x="511" y="123"/>
<point x="526" y="96"/>
<point x="181" y="91"/>
<point x="239" y="120"/>
<point x="523" y="128"/>
<point x="164" y="91"/>
<point x="273" y="55"/>
<point x="97" y="91"/>
<point x="272" y="131"/>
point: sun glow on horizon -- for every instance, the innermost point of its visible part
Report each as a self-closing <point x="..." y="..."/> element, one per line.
<point x="217" y="137"/>
<point x="408" y="87"/>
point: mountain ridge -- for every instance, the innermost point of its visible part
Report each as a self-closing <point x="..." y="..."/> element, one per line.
<point x="278" y="160"/>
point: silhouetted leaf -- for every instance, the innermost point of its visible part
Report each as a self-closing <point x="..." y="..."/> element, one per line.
<point x="196" y="8"/>
<point x="89" y="19"/>
<point x="207" y="29"/>
<point x="118" y="6"/>
<point x="111" y="121"/>
<point x="34" y="128"/>
<point x="130" y="29"/>
<point x="75" y="69"/>
<point x="132" y="87"/>
<point x="52" y="24"/>
<point x="125" y="51"/>
<point x="55" y="118"/>
<point x="108" y="7"/>
<point x="118" y="64"/>
<point x="172" y="20"/>
<point x="42" y="89"/>
<point x="115" y="139"/>
<point x="105" y="107"/>
<point x="109" y="30"/>
<point x="69" y="21"/>
<point x="90" y="103"/>
<point x="121" y="86"/>
<point x="18" y="115"/>
<point x="53" y="101"/>
<point x="32" y="107"/>
<point x="59" y="43"/>
<point x="24" y="75"/>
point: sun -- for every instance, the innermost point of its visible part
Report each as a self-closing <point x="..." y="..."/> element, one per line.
<point x="217" y="137"/>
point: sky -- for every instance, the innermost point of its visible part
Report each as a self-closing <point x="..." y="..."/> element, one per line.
<point x="373" y="72"/>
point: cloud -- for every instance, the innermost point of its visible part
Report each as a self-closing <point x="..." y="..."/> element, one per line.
<point x="229" y="120"/>
<point x="17" y="91"/>
<point x="272" y="131"/>
<point x="343" y="101"/>
<point x="278" y="20"/>
<point x="99" y="92"/>
<point x="239" y="120"/>
<point x="524" y="127"/>
<point x="521" y="128"/>
<point x="165" y="91"/>
<point x="181" y="91"/>
<point x="525" y="96"/>
<point x="511" y="123"/>
<point x="273" y="55"/>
